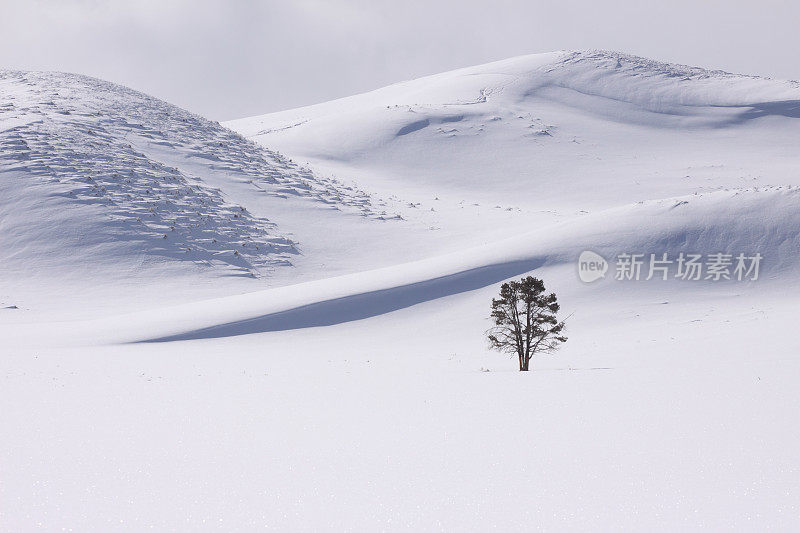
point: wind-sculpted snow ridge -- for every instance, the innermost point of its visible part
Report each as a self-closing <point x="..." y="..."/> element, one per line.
<point x="101" y="158"/>
<point x="667" y="87"/>
<point x="728" y="222"/>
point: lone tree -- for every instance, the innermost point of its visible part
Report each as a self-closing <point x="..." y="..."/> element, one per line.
<point x="525" y="320"/>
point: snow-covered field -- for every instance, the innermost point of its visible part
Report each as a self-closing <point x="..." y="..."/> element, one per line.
<point x="279" y="321"/>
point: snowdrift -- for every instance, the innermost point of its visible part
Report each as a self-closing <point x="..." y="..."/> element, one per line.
<point x="730" y="222"/>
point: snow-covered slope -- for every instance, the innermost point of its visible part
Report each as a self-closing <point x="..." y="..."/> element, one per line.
<point x="571" y="151"/>
<point x="99" y="183"/>
<point x="93" y="154"/>
<point x="449" y="139"/>
<point x="102" y="182"/>
<point x="563" y="132"/>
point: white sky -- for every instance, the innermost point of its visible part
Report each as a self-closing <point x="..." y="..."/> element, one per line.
<point x="239" y="58"/>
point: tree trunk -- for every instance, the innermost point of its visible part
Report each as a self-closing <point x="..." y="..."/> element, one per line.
<point x="525" y="363"/>
<point x="522" y="363"/>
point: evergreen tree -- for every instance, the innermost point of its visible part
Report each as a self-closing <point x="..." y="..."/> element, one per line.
<point x="525" y="320"/>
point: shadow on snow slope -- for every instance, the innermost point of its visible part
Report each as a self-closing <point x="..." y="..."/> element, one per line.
<point x="363" y="305"/>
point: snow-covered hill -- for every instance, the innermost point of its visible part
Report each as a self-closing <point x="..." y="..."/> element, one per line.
<point x="571" y="151"/>
<point x="104" y="183"/>
<point x="563" y="132"/>
<point x="101" y="182"/>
